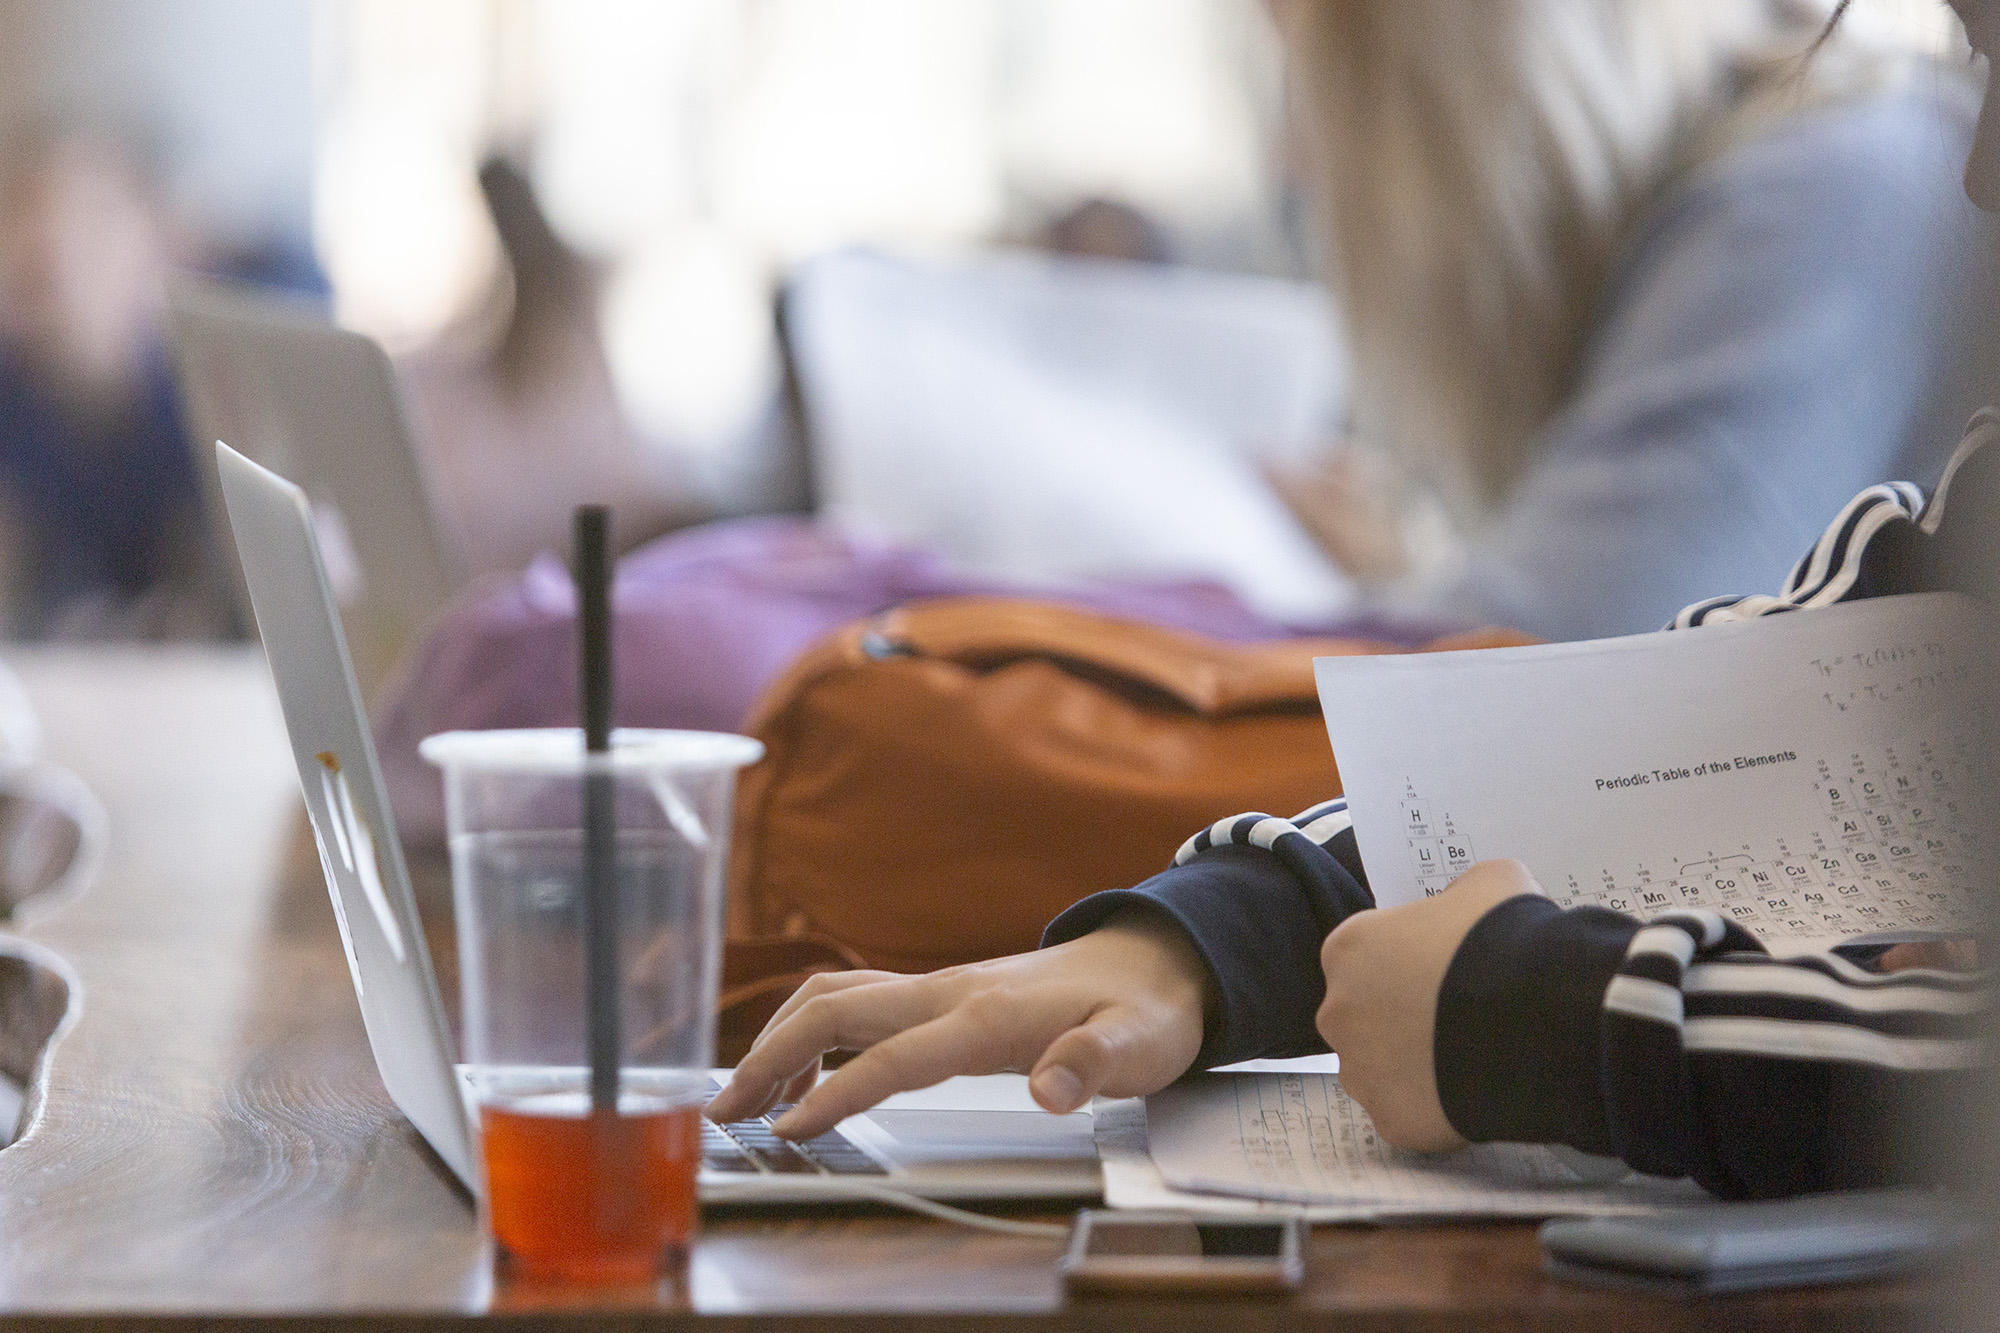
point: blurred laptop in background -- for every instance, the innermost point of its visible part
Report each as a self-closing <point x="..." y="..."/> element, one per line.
<point x="320" y="404"/>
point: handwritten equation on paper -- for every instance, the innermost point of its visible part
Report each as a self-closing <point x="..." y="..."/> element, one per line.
<point x="1807" y="788"/>
<point x="1299" y="1137"/>
<point x="1918" y="670"/>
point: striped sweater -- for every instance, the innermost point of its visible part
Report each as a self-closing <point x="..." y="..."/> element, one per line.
<point x="1677" y="1044"/>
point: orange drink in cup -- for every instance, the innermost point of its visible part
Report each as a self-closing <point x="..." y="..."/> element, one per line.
<point x="589" y="1196"/>
<point x="576" y="1187"/>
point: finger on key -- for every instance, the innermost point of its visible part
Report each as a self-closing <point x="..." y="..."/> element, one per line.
<point x="956" y="1043"/>
<point x="802" y="1083"/>
<point x="846" y="1019"/>
<point x="746" y="1097"/>
<point x="820" y="983"/>
<point x="797" y="1086"/>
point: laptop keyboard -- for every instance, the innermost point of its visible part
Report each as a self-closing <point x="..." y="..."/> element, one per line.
<point x="749" y="1147"/>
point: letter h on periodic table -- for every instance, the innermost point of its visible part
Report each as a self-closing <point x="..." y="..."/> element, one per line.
<point x="1439" y="852"/>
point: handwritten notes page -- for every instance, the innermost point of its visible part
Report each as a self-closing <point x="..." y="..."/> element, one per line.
<point x="1803" y="774"/>
<point x="1295" y="1141"/>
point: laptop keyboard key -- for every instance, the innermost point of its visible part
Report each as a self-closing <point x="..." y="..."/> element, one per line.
<point x="831" y="1153"/>
<point x="771" y="1152"/>
<point x="720" y="1153"/>
<point x="757" y="1148"/>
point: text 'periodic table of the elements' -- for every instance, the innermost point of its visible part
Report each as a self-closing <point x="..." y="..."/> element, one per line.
<point x="1810" y="777"/>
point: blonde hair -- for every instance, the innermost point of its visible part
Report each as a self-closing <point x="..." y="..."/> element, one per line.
<point x="1480" y="164"/>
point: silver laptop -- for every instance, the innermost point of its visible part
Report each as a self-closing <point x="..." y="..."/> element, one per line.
<point x="967" y="1138"/>
<point x="321" y="405"/>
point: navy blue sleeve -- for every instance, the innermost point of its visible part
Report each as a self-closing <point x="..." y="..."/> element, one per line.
<point x="1529" y="967"/>
<point x="1255" y="895"/>
<point x="1683" y="1048"/>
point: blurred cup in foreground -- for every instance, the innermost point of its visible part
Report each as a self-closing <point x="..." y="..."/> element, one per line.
<point x="575" y="1190"/>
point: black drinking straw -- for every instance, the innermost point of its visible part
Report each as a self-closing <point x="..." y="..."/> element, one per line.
<point x="600" y="812"/>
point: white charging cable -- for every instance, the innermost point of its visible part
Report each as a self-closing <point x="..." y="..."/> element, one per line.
<point x="752" y="1191"/>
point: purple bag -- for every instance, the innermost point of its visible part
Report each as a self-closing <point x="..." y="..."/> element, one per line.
<point x="705" y="618"/>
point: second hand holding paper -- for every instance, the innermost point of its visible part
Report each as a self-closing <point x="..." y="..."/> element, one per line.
<point x="1799" y="774"/>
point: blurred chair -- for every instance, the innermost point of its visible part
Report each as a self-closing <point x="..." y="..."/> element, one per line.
<point x="53" y="835"/>
<point x="38" y="1000"/>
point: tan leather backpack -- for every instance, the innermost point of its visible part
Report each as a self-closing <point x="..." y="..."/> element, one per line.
<point x="943" y="779"/>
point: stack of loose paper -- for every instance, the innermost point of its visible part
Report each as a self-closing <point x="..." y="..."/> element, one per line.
<point x="1293" y="1141"/>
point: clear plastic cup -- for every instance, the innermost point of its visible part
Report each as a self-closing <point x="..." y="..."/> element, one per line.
<point x="574" y="1190"/>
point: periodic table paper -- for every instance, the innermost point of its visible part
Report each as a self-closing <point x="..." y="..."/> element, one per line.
<point x="1804" y="774"/>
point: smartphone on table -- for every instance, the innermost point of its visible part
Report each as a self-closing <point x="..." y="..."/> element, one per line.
<point x="1136" y="1253"/>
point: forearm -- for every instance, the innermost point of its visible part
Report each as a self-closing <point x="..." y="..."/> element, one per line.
<point x="1255" y="896"/>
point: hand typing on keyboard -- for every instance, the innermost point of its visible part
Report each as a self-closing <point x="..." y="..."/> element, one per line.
<point x="1118" y="1011"/>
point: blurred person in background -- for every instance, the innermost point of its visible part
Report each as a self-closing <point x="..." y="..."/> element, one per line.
<point x="1100" y="228"/>
<point x="523" y="424"/>
<point x="1859" y="1066"/>
<point x="100" y="504"/>
<point x="1637" y="292"/>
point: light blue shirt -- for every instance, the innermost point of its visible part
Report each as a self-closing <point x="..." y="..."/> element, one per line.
<point x="1810" y="313"/>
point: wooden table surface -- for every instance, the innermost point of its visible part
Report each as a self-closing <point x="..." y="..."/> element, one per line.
<point x="214" y="1144"/>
